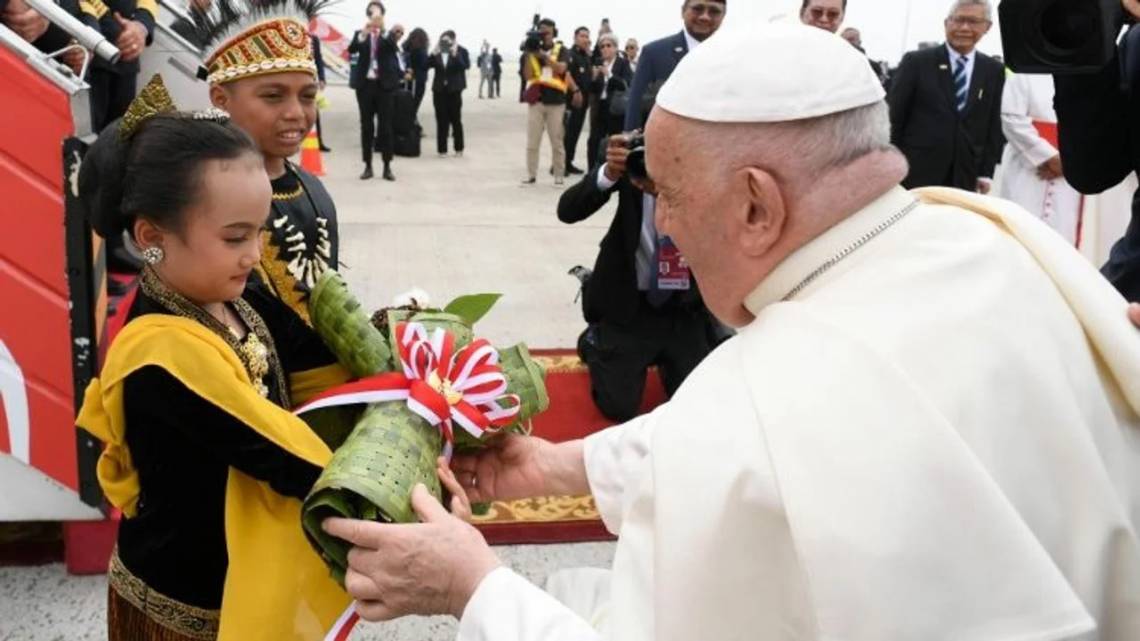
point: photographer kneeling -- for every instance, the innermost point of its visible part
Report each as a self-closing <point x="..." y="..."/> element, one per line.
<point x="642" y="305"/>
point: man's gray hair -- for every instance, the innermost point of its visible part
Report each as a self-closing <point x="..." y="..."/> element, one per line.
<point x="817" y="146"/>
<point x="610" y="38"/>
<point x="958" y="4"/>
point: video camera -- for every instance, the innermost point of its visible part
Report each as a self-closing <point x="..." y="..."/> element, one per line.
<point x="1059" y="36"/>
<point x="533" y="41"/>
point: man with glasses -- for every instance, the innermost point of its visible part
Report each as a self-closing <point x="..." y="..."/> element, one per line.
<point x="702" y="19"/>
<point x="946" y="106"/>
<point x="824" y="14"/>
<point x="631" y="51"/>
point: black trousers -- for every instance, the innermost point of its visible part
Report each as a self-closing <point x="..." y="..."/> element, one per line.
<point x="575" y="119"/>
<point x="111" y="94"/>
<point x="674" y="339"/>
<point x="448" y="118"/>
<point x="377" y="107"/>
<point x="497" y="84"/>
<point x="419" y="88"/>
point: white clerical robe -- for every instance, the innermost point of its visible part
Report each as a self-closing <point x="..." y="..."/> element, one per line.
<point x="1029" y="123"/>
<point x="935" y="439"/>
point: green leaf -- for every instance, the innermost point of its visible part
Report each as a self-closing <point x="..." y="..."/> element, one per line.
<point x="472" y="308"/>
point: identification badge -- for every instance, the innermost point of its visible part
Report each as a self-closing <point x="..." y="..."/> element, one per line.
<point x="547" y="73"/>
<point x="672" y="269"/>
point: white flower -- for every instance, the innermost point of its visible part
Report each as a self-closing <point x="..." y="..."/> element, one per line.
<point x="415" y="297"/>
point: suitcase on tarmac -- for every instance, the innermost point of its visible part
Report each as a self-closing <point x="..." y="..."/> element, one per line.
<point x="404" y="118"/>
<point x="407" y="145"/>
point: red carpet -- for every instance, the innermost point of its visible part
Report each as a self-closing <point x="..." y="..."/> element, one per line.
<point x="572" y="415"/>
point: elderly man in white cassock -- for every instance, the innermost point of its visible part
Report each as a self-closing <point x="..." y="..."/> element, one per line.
<point x="926" y="428"/>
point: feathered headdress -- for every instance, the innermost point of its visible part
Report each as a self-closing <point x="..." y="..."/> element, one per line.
<point x="245" y="38"/>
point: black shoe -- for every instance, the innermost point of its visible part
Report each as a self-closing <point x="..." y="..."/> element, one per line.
<point x="388" y="175"/>
<point x="367" y="172"/>
<point x="528" y="181"/>
<point x="325" y="149"/>
<point x="571" y="170"/>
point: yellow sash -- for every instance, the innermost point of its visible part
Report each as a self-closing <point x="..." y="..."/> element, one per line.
<point x="558" y="84"/>
<point x="276" y="586"/>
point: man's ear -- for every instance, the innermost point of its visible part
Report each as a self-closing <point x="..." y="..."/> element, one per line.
<point x="762" y="220"/>
<point x="219" y="97"/>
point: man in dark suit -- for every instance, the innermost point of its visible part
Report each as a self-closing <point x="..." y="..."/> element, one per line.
<point x="659" y="58"/>
<point x="496" y="74"/>
<point x="576" y="110"/>
<point x="376" y="76"/>
<point x="946" y="106"/>
<point x="449" y="64"/>
<point x="633" y="322"/>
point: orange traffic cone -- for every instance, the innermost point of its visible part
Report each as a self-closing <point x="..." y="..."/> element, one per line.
<point x="311" y="154"/>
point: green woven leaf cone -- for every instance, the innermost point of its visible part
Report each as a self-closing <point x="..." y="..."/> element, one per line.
<point x="527" y="379"/>
<point x="431" y="321"/>
<point x="346" y="329"/>
<point x="372" y="475"/>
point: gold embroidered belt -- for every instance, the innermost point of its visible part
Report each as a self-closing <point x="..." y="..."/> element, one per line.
<point x="193" y="622"/>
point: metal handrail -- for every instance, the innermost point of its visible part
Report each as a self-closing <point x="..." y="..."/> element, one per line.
<point x="58" y="74"/>
<point x="91" y="39"/>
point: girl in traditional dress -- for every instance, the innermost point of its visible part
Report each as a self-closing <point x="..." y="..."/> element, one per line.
<point x="203" y="458"/>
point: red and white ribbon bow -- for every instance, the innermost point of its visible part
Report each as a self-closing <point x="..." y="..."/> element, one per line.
<point x="442" y="386"/>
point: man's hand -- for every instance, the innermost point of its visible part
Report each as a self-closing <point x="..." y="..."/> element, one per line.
<point x="460" y="504"/>
<point x="519" y="467"/>
<point x="24" y="20"/>
<point x="617" y="150"/>
<point x="432" y="567"/>
<point x="577" y="100"/>
<point x="1132" y="7"/>
<point x="1134" y="314"/>
<point x="1051" y="169"/>
<point x="984" y="186"/>
<point x="132" y="39"/>
<point x="74" y="59"/>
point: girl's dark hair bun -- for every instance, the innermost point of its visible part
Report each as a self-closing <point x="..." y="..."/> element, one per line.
<point x="154" y="174"/>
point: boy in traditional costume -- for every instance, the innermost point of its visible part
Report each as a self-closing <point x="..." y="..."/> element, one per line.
<point x="260" y="67"/>
<point x="203" y="458"/>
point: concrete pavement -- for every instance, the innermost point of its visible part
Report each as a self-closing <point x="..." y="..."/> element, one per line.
<point x="450" y="226"/>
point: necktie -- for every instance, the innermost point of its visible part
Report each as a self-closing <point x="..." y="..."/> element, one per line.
<point x="961" y="86"/>
<point x="649" y="254"/>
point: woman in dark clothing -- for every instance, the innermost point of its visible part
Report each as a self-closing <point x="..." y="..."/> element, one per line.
<point x="450" y="64"/>
<point x="416" y="56"/>
<point x="610" y="78"/>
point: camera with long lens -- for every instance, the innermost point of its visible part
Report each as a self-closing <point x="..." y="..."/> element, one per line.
<point x="635" y="161"/>
<point x="533" y="41"/>
<point x="1059" y="36"/>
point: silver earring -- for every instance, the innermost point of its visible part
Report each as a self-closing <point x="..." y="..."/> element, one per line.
<point x="153" y="255"/>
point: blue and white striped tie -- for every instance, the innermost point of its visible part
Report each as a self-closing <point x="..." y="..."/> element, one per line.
<point x="961" y="87"/>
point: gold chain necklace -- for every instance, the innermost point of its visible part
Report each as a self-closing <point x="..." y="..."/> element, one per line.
<point x="257" y="350"/>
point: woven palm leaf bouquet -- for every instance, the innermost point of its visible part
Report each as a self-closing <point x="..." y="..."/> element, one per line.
<point x="429" y="386"/>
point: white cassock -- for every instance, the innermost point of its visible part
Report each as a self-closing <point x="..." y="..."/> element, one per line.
<point x="935" y="439"/>
<point x="1029" y="123"/>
